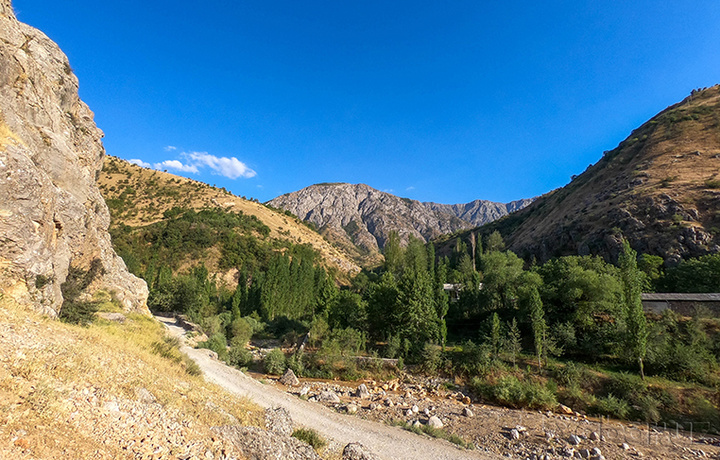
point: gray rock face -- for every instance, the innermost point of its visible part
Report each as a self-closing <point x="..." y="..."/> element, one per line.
<point x="278" y="421"/>
<point x="289" y="378"/>
<point x="367" y="216"/>
<point x="356" y="451"/>
<point x="259" y="444"/>
<point x="52" y="216"/>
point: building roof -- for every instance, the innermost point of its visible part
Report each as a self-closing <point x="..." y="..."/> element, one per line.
<point x="681" y="297"/>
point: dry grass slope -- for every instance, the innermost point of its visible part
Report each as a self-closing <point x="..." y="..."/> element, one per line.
<point x="101" y="392"/>
<point x="151" y="193"/>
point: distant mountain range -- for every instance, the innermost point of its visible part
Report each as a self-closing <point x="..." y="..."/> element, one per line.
<point x="660" y="189"/>
<point x="360" y="218"/>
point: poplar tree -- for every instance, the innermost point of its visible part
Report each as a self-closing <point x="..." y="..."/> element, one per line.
<point x="537" y="321"/>
<point x="636" y="323"/>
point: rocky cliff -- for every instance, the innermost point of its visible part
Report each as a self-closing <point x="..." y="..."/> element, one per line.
<point x="366" y="216"/>
<point x="52" y="216"/>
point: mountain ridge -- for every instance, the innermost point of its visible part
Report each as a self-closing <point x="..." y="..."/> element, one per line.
<point x="659" y="188"/>
<point x="359" y="216"/>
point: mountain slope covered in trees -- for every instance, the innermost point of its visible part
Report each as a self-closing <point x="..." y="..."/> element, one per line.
<point x="659" y="188"/>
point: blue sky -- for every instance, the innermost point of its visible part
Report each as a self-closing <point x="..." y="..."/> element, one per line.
<point x="436" y="101"/>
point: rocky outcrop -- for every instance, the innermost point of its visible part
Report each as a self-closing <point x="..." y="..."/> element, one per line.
<point x="367" y="216"/>
<point x="52" y="216"/>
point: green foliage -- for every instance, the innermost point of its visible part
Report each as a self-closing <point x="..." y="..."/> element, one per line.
<point x="239" y="356"/>
<point x="611" y="406"/>
<point x="274" y="362"/>
<point x="693" y="275"/>
<point x="311" y="437"/>
<point x="218" y="344"/>
<point x="430" y="359"/>
<point x="511" y="391"/>
<point x="74" y="309"/>
<point x="636" y="335"/>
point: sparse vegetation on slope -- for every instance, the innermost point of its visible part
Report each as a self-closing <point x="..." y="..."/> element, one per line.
<point x="107" y="390"/>
<point x="657" y="189"/>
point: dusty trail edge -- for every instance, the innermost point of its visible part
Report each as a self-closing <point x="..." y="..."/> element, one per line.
<point x="386" y="441"/>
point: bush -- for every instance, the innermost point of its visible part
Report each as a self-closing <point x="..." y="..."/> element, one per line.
<point x="274" y="362"/>
<point x="430" y="358"/>
<point x="218" y="344"/>
<point x="310" y="436"/>
<point x="626" y="386"/>
<point x="239" y="357"/>
<point x="611" y="406"/>
<point x="516" y="393"/>
<point x="241" y="331"/>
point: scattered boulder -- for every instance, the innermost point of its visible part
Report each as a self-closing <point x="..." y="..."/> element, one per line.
<point x="351" y="408"/>
<point x="278" y="421"/>
<point x="304" y="391"/>
<point x="595" y="452"/>
<point x="514" y="434"/>
<point x="467" y="412"/>
<point x="435" y="422"/>
<point x="415" y="409"/>
<point x="289" y="379"/>
<point x="363" y="392"/>
<point x="594" y="436"/>
<point x="328" y="396"/>
<point x="259" y="444"/>
<point x="565" y="410"/>
<point x="356" y="451"/>
<point x="574" y="440"/>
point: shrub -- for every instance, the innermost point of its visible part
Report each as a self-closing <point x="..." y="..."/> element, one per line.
<point x="611" y="406"/>
<point x="274" y="362"/>
<point x="241" y="332"/>
<point x="430" y="358"/>
<point x="516" y="393"/>
<point x="218" y="344"/>
<point x="239" y="356"/>
<point x="310" y="436"/>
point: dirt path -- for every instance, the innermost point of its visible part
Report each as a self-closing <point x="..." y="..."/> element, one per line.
<point x="388" y="442"/>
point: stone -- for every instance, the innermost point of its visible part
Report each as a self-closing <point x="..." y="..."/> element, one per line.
<point x="565" y="409"/>
<point x="351" y="408"/>
<point x="417" y="424"/>
<point x="435" y="422"/>
<point x="594" y="436"/>
<point x="304" y="391"/>
<point x="466" y="400"/>
<point x="584" y="453"/>
<point x="426" y="411"/>
<point x="53" y="219"/>
<point x="409" y="413"/>
<point x="256" y="443"/>
<point x="278" y="421"/>
<point x="595" y="451"/>
<point x="289" y="379"/>
<point x="574" y="440"/>
<point x="415" y="409"/>
<point x="514" y="434"/>
<point x="356" y="451"/>
<point x="624" y="446"/>
<point x="467" y="412"/>
<point x="328" y="396"/>
<point x="362" y="391"/>
<point x="388" y="402"/>
<point x="144" y="396"/>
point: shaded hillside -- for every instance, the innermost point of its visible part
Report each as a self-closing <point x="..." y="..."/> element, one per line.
<point x="660" y="188"/>
<point x="139" y="197"/>
<point x="360" y="218"/>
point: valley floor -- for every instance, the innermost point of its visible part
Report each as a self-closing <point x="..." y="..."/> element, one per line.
<point x="489" y="428"/>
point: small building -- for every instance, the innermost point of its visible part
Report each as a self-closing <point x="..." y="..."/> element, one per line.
<point x="681" y="303"/>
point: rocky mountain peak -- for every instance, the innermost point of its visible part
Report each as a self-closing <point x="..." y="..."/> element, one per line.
<point x="53" y="220"/>
<point x="361" y="216"/>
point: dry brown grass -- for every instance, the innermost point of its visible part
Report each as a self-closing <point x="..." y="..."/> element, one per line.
<point x="57" y="380"/>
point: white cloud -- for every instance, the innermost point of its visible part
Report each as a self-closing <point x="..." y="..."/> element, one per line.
<point x="228" y="167"/>
<point x="175" y="164"/>
<point x="170" y="148"/>
<point x="410" y="188"/>
<point x="142" y="164"/>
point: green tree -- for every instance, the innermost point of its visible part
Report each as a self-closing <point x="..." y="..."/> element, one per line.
<point x="495" y="335"/>
<point x="513" y="341"/>
<point x="636" y="322"/>
<point x="537" y="321"/>
<point x="393" y="253"/>
<point x="494" y="242"/>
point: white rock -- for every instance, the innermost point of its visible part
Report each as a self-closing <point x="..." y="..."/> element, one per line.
<point x="435" y="422"/>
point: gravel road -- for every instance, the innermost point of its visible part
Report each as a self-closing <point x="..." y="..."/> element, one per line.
<point x="386" y="441"/>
